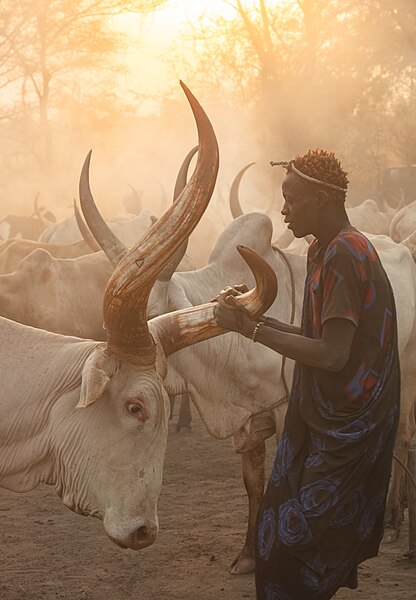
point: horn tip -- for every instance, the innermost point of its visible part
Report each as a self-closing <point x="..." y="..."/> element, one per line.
<point x="187" y="91"/>
<point x="86" y="165"/>
<point x="242" y="249"/>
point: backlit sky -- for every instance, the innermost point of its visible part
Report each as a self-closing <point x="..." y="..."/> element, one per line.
<point x="151" y="39"/>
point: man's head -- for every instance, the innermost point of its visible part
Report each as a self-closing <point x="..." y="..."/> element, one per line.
<point x="314" y="190"/>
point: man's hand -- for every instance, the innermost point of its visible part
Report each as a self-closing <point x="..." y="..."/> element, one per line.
<point x="232" y="315"/>
<point x="235" y="290"/>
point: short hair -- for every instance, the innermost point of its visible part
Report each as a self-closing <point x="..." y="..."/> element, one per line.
<point x="323" y="166"/>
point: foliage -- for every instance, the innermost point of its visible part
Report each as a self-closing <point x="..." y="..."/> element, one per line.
<point x="331" y="73"/>
<point x="45" y="46"/>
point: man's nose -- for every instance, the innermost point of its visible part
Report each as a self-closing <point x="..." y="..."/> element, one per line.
<point x="284" y="210"/>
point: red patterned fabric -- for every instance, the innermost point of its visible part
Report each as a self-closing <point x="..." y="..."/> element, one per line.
<point x="322" y="513"/>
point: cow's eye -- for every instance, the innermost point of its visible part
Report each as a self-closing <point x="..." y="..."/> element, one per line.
<point x="135" y="408"/>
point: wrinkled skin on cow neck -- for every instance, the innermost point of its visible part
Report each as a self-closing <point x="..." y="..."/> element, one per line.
<point x="105" y="460"/>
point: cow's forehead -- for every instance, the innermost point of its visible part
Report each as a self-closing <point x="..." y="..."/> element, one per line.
<point x="136" y="379"/>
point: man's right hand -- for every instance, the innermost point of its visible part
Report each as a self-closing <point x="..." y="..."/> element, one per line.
<point x="232" y="315"/>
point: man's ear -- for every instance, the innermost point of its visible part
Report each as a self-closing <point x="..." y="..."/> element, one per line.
<point x="96" y="375"/>
<point x="323" y="198"/>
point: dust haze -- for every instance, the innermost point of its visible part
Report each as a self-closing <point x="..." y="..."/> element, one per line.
<point x="274" y="82"/>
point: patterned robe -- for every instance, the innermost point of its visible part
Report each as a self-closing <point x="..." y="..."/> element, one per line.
<point x="322" y="513"/>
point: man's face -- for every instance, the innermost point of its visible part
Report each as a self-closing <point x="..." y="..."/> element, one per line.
<point x="301" y="207"/>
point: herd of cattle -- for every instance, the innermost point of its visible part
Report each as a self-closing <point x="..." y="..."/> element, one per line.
<point x="95" y="342"/>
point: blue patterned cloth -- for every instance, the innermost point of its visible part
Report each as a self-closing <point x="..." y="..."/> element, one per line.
<point x="322" y="513"/>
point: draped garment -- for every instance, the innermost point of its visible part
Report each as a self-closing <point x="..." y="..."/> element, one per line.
<point x="322" y="512"/>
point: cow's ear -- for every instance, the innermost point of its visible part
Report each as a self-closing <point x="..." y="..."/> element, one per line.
<point x="96" y="375"/>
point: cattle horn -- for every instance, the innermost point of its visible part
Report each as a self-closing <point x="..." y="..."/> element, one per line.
<point x="182" y="175"/>
<point x="185" y="327"/>
<point x="109" y="242"/>
<point x="168" y="271"/>
<point x="234" y="199"/>
<point x="127" y="292"/>
<point x="85" y="232"/>
<point x="43" y="218"/>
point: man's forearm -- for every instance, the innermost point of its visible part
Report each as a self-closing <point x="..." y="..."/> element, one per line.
<point x="298" y="347"/>
<point x="279" y="325"/>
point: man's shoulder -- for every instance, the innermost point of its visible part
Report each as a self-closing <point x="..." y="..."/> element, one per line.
<point x="353" y="243"/>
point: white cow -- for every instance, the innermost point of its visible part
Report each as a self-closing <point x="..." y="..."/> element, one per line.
<point x="59" y="295"/>
<point x="129" y="228"/>
<point x="66" y="295"/>
<point x="106" y="461"/>
<point x="13" y="251"/>
<point x="369" y="217"/>
<point x="403" y="223"/>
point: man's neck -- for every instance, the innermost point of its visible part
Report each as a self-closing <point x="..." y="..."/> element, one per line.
<point x="330" y="229"/>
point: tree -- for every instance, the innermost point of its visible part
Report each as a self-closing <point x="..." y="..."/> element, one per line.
<point x="46" y="45"/>
<point x="331" y="73"/>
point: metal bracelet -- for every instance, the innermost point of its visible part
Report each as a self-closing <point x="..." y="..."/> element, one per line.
<point x="255" y="330"/>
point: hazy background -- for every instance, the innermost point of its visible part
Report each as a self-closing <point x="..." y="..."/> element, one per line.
<point x="275" y="78"/>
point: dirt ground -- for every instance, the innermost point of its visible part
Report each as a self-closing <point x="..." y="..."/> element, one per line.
<point x="49" y="553"/>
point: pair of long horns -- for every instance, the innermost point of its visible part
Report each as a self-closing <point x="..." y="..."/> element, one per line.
<point x="42" y="216"/>
<point x="127" y="293"/>
<point x="112" y="246"/>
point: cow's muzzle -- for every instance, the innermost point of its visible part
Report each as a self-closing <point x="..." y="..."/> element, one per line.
<point x="140" y="538"/>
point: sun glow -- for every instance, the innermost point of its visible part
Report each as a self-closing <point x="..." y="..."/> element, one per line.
<point x="152" y="39"/>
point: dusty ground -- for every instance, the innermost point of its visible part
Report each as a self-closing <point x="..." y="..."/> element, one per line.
<point x="49" y="553"/>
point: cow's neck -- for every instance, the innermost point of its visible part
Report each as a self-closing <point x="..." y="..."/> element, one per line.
<point x="52" y="367"/>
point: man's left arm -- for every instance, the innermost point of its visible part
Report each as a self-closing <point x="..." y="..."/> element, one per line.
<point x="331" y="351"/>
<point x="342" y="301"/>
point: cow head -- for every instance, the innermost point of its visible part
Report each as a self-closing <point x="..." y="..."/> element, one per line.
<point x="108" y="454"/>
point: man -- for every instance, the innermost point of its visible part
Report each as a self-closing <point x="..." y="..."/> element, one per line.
<point x="322" y="513"/>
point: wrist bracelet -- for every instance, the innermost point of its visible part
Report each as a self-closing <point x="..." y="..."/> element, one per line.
<point x="255" y="330"/>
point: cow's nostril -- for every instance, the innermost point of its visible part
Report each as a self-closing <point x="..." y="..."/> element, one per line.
<point x="145" y="536"/>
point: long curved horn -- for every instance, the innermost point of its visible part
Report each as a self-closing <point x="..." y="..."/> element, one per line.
<point x="85" y="232"/>
<point x="127" y="292"/>
<point x="109" y="242"/>
<point x="182" y="175"/>
<point x="235" y="205"/>
<point x="172" y="265"/>
<point x="185" y="327"/>
<point x="36" y="210"/>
